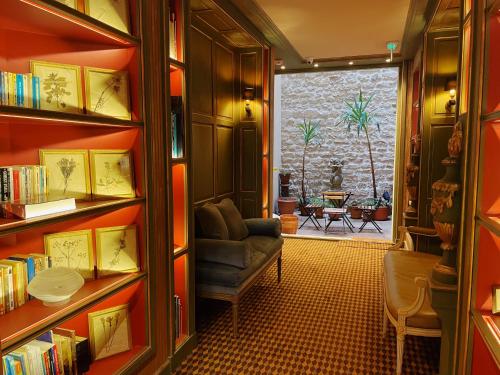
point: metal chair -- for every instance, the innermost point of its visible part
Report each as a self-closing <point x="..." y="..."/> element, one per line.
<point x="341" y="197"/>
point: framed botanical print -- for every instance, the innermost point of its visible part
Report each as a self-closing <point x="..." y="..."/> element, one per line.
<point x="109" y="332"/>
<point x="112" y="173"/>
<point x="68" y="173"/>
<point x="107" y="93"/>
<point x="72" y="250"/>
<point x="70" y="3"/>
<point x="116" y="250"/>
<point x="60" y="86"/>
<point x="114" y="13"/>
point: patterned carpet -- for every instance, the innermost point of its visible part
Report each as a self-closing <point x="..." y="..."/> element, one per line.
<point x="324" y="318"/>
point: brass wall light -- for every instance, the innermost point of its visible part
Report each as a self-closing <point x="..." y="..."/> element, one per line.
<point x="451" y="87"/>
<point x="248" y="95"/>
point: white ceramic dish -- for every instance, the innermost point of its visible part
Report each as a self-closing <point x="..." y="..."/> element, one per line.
<point x="55" y="286"/>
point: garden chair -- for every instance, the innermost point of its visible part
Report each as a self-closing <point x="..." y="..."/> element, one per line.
<point x="368" y="214"/>
<point x="341" y="210"/>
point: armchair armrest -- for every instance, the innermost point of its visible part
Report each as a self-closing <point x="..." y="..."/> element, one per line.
<point x="421" y="231"/>
<point x="231" y="253"/>
<point x="264" y="227"/>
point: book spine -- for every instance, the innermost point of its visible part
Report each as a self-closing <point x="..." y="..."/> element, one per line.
<point x="15" y="184"/>
<point x="12" y="89"/>
<point x="19" y="95"/>
<point x="5" y="184"/>
<point x="2" y="293"/>
<point x="8" y="284"/>
<point x="36" y="92"/>
<point x="2" y="88"/>
<point x="28" y="101"/>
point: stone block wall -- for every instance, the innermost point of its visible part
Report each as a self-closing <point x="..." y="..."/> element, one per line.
<point x="320" y="97"/>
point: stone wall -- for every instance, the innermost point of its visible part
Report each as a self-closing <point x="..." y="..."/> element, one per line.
<point x="320" y="97"/>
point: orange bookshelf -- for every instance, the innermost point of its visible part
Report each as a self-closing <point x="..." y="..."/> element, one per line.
<point x="181" y="290"/>
<point x="180" y="206"/>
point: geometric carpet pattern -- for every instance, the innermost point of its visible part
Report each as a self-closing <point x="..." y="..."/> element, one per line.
<point x="324" y="318"/>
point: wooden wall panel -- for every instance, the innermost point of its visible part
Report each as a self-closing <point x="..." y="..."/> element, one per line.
<point x="203" y="162"/>
<point x="225" y="160"/>
<point x="201" y="72"/>
<point x="224" y="82"/>
<point x="248" y="73"/>
<point x="248" y="160"/>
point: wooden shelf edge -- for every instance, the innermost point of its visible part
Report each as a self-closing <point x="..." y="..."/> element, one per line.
<point x="491" y="340"/>
<point x="180" y="251"/>
<point x="178" y="64"/>
<point x="94" y="207"/>
<point x="491" y="116"/>
<point x="14" y="113"/>
<point x="490" y="224"/>
<point x="117" y="36"/>
<point x="27" y="334"/>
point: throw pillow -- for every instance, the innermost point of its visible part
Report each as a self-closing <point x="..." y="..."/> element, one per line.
<point x="235" y="225"/>
<point x="211" y="222"/>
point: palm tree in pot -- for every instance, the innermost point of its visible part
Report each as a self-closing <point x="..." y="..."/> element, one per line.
<point x="311" y="135"/>
<point x="358" y="115"/>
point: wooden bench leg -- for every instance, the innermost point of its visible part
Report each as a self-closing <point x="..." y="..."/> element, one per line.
<point x="278" y="263"/>
<point x="235" y="319"/>
<point x="399" y="352"/>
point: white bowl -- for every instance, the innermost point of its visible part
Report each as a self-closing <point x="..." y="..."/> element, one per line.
<point x="55" y="286"/>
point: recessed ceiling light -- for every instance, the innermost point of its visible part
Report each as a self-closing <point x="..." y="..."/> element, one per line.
<point x="351" y="62"/>
<point x="282" y="67"/>
<point x="316" y="65"/>
<point x="387" y="60"/>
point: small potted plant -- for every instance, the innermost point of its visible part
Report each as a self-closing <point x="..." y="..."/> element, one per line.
<point x="318" y="204"/>
<point x="384" y="208"/>
<point x="287" y="205"/>
<point x="355" y="209"/>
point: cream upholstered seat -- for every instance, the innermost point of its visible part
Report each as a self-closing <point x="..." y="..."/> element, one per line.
<point x="407" y="303"/>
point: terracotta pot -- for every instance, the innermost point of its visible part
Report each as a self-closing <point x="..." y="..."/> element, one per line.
<point x="334" y="216"/>
<point x="319" y="213"/>
<point x="285" y="179"/>
<point x="382" y="213"/>
<point x="289" y="223"/>
<point x="356" y="212"/>
<point x="303" y="211"/>
<point x="286" y="205"/>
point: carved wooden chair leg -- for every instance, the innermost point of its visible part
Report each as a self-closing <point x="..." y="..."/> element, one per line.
<point x="235" y="318"/>
<point x="278" y="264"/>
<point x="399" y="352"/>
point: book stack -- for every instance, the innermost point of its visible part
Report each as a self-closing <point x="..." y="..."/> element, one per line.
<point x="20" y="90"/>
<point x="57" y="352"/>
<point x="172" y="32"/>
<point x="16" y="272"/>
<point x="22" y="182"/>
<point x="178" y="316"/>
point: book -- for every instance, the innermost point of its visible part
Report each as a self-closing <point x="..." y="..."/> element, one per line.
<point x="19" y="278"/>
<point x="23" y="360"/>
<point x="2" y="292"/>
<point x="30" y="264"/>
<point x="70" y="336"/>
<point x="4" y="184"/>
<point x="83" y="357"/>
<point x="37" y="206"/>
<point x="8" y="287"/>
<point x="42" y="261"/>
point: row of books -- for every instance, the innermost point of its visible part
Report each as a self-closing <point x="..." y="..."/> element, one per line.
<point x="16" y="272"/>
<point x="178" y="316"/>
<point x="57" y="352"/>
<point x="21" y="90"/>
<point x="22" y="182"/>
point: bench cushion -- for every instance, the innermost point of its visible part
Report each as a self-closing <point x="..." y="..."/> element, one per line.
<point x="400" y="269"/>
<point x="264" y="244"/>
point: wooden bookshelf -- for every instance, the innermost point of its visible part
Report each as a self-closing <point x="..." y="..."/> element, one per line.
<point x="48" y="30"/>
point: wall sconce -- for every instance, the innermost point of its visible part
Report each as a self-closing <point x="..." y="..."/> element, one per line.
<point x="451" y="87"/>
<point x="248" y="95"/>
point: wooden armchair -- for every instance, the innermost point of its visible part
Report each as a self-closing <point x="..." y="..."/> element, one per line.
<point x="407" y="303"/>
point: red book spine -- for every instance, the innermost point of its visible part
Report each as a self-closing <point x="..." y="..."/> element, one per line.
<point x="15" y="190"/>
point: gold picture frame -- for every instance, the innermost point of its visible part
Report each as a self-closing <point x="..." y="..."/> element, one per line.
<point x="60" y="86"/>
<point x="107" y="93"/>
<point x="495" y="305"/>
<point x="112" y="173"/>
<point x="68" y="173"/>
<point x="110" y="332"/>
<point x="116" y="250"/>
<point x="73" y="250"/>
<point x="114" y="13"/>
<point x="69" y="3"/>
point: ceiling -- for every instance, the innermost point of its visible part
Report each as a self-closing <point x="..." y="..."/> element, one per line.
<point x="336" y="29"/>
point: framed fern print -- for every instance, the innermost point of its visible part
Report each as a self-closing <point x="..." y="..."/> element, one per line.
<point x="60" y="86"/>
<point x="111" y="173"/>
<point x="114" y="13"/>
<point x="116" y="250"/>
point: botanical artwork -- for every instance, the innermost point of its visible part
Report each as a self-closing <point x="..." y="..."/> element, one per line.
<point x="114" y="13"/>
<point x="68" y="173"/>
<point x="107" y="93"/>
<point x="60" y="86"/>
<point x="116" y="250"/>
<point x="112" y="173"/>
<point x="72" y="250"/>
<point x="70" y="3"/>
<point x="109" y="332"/>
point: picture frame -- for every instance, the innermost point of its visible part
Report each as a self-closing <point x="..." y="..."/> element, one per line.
<point x="114" y="13"/>
<point x="107" y="93"/>
<point x="69" y="3"/>
<point x="116" y="250"/>
<point x="73" y="250"/>
<point x="495" y="306"/>
<point x="60" y="86"/>
<point x="112" y="174"/>
<point x="110" y="331"/>
<point x="68" y="173"/>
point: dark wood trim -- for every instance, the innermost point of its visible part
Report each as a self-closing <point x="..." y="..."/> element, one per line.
<point x="419" y="14"/>
<point x="340" y="66"/>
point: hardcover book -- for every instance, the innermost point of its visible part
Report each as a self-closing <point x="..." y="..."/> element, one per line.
<point x="35" y="207"/>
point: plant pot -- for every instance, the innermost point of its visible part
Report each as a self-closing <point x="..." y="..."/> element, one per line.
<point x="303" y="211"/>
<point x="334" y="216"/>
<point x="319" y="213"/>
<point x="382" y="214"/>
<point x="289" y="223"/>
<point x="285" y="178"/>
<point x="356" y="212"/>
<point x="286" y="205"/>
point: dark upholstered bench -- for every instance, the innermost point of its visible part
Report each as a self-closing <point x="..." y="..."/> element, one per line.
<point x="231" y="253"/>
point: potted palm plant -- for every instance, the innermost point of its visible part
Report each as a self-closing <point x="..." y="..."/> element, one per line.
<point x="358" y="115"/>
<point x="311" y="135"/>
